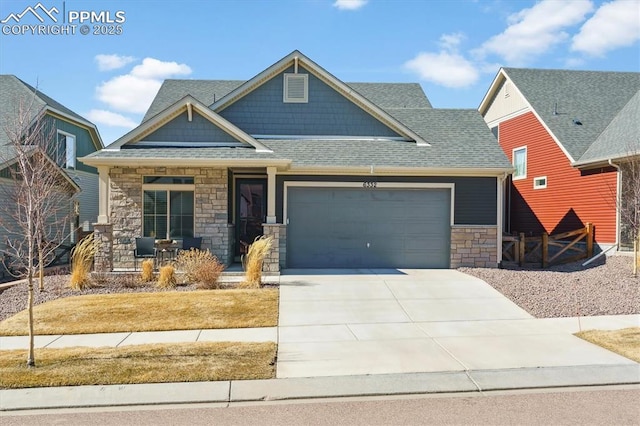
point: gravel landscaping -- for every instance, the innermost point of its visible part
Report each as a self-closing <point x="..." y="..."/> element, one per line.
<point x="605" y="287"/>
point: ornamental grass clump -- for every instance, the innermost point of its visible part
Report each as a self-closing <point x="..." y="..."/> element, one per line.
<point x="207" y="274"/>
<point x="190" y="261"/>
<point x="81" y="260"/>
<point x="167" y="277"/>
<point x="147" y="271"/>
<point x="254" y="260"/>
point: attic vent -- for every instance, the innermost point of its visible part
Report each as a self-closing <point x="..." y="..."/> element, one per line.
<point x="296" y="88"/>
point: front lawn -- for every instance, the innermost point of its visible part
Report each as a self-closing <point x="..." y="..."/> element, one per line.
<point x="129" y="312"/>
<point x="159" y="363"/>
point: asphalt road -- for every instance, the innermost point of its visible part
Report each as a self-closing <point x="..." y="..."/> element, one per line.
<point x="618" y="405"/>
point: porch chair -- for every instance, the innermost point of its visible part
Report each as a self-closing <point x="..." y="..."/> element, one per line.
<point x="145" y="249"/>
<point x="189" y="243"/>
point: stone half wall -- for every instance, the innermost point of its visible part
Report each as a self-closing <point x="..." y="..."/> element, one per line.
<point x="211" y="203"/>
<point x="474" y="246"/>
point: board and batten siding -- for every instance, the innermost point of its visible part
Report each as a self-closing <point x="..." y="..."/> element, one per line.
<point x="474" y="197"/>
<point x="571" y="199"/>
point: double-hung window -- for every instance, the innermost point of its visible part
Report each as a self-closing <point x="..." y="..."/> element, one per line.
<point x="168" y="207"/>
<point x="65" y="150"/>
<point x="520" y="163"/>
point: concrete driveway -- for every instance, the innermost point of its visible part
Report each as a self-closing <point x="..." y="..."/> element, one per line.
<point x="355" y="322"/>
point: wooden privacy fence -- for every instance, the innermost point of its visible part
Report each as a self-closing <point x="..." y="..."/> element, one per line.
<point x="548" y="249"/>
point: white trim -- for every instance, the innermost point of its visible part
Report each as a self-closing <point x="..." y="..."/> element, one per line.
<point x="513" y="161"/>
<point x="379" y="185"/>
<point x="539" y="186"/>
<point x="70" y="157"/>
<point x="332" y="137"/>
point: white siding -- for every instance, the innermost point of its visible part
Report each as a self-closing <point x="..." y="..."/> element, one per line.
<point x="507" y="102"/>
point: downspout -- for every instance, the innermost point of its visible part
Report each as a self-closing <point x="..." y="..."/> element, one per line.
<point x="500" y="218"/>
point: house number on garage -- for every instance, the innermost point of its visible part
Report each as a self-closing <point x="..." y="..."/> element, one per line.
<point x="369" y="184"/>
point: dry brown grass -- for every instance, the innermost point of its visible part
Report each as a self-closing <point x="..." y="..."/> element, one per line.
<point x="190" y="362"/>
<point x="81" y="261"/>
<point x="130" y="312"/>
<point x="254" y="260"/>
<point x="190" y="261"/>
<point x="625" y="342"/>
<point x="207" y="274"/>
<point x="167" y="278"/>
<point x="147" y="271"/>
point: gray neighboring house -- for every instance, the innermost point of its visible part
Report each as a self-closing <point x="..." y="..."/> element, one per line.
<point x="342" y="175"/>
<point x="73" y="137"/>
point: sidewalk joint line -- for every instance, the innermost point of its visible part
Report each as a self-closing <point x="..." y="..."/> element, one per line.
<point x="123" y="339"/>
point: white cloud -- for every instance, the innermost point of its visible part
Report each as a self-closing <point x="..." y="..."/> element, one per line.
<point x="134" y="92"/>
<point x="450" y="42"/>
<point x="112" y="62"/>
<point x="108" y="118"/>
<point x="533" y="31"/>
<point x="615" y="24"/>
<point x="444" y="68"/>
<point x="349" y="4"/>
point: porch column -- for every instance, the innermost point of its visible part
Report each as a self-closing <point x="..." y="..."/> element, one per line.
<point x="271" y="195"/>
<point x="103" y="194"/>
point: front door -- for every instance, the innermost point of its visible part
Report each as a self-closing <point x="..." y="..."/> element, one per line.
<point x="251" y="211"/>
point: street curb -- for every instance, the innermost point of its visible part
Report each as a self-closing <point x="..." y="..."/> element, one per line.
<point x="318" y="387"/>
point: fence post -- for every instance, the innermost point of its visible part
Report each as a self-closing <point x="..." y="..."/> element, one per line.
<point x="521" y="246"/>
<point x="589" y="240"/>
<point x="545" y="249"/>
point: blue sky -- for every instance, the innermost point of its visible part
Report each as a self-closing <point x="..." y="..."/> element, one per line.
<point x="452" y="48"/>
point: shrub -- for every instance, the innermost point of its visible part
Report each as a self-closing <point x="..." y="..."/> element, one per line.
<point x="207" y="274"/>
<point x="189" y="261"/>
<point x="81" y="260"/>
<point x="147" y="271"/>
<point x="167" y="277"/>
<point x="253" y="261"/>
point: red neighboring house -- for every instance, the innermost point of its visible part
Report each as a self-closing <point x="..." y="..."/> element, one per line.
<point x="566" y="133"/>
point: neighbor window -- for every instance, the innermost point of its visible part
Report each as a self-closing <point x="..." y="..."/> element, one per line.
<point x="520" y="163"/>
<point x="65" y="155"/>
<point x="540" y="182"/>
<point x="168" y="208"/>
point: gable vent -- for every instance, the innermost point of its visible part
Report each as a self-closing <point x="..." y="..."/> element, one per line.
<point x="296" y="88"/>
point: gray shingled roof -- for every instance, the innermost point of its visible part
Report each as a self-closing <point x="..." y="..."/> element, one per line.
<point x="13" y="91"/>
<point x="621" y="138"/>
<point x="458" y="138"/>
<point x="384" y="95"/>
<point x="593" y="98"/>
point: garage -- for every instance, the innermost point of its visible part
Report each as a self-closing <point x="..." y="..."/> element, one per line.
<point x="379" y="227"/>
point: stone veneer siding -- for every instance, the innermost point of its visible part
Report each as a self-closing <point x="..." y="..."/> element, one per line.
<point x="103" y="238"/>
<point x="211" y="204"/>
<point x="275" y="260"/>
<point x="474" y="246"/>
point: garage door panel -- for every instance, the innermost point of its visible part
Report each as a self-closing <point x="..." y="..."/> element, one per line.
<point x="381" y="228"/>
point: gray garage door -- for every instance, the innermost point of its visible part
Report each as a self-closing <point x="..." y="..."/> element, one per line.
<point x="377" y="228"/>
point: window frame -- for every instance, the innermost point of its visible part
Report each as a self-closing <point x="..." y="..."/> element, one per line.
<point x="540" y="186"/>
<point x="168" y="188"/>
<point x="69" y="154"/>
<point x="513" y="162"/>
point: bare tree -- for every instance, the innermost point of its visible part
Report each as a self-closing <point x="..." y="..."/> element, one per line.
<point x="629" y="203"/>
<point x="37" y="197"/>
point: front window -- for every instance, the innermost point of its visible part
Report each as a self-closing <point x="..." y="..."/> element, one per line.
<point x="65" y="154"/>
<point x="168" y="209"/>
<point x="520" y="163"/>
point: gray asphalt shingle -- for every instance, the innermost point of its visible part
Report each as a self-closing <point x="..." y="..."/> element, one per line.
<point x="561" y="97"/>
